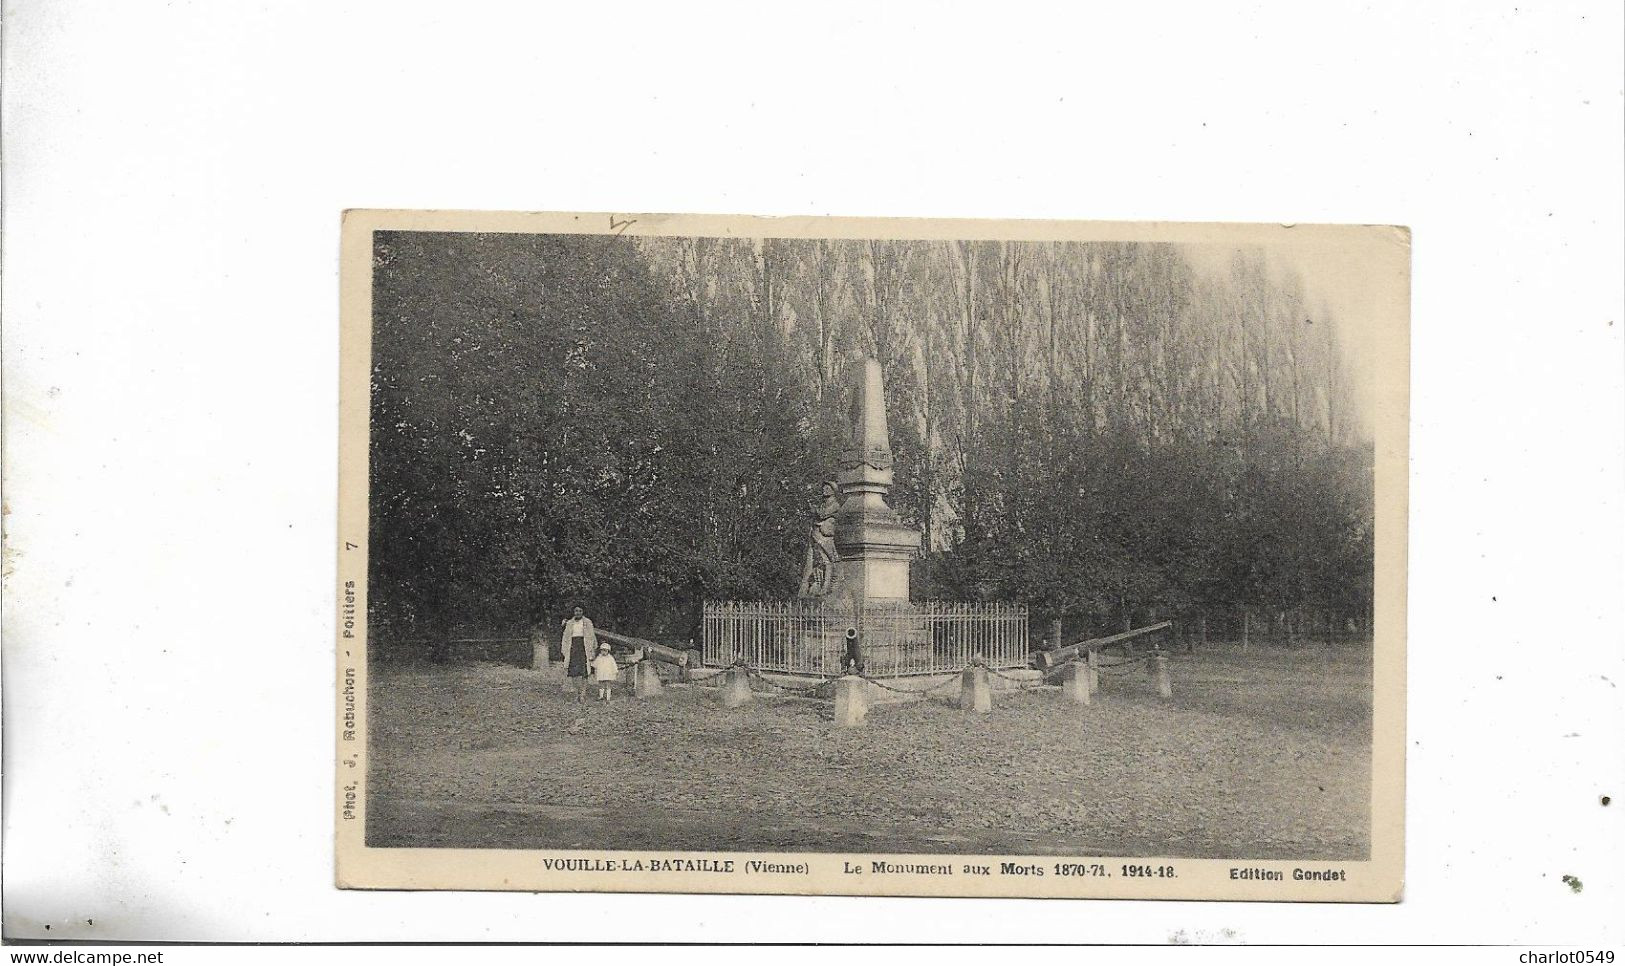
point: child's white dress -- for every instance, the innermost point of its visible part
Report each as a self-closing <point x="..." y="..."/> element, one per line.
<point x="604" y="669"/>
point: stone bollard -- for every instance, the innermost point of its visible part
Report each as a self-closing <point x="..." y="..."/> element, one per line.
<point x="645" y="680"/>
<point x="1159" y="673"/>
<point x="736" y="687"/>
<point x="975" y="690"/>
<point x="851" y="701"/>
<point x="1093" y="670"/>
<point x="1075" y="682"/>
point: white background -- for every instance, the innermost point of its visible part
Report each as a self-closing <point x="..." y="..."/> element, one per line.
<point x="174" y="174"/>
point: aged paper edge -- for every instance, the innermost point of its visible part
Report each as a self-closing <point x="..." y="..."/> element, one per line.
<point x="1380" y="878"/>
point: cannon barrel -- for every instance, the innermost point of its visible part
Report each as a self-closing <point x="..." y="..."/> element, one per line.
<point x="651" y="650"/>
<point x="1049" y="659"/>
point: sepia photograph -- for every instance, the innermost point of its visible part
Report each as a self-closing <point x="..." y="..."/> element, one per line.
<point x="720" y="550"/>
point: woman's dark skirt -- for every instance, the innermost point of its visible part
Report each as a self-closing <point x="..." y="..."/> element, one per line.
<point x="578" y="658"/>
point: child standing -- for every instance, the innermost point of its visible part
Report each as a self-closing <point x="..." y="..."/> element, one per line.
<point x="605" y="670"/>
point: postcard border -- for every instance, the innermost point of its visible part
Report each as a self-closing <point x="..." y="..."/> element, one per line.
<point x="1380" y="878"/>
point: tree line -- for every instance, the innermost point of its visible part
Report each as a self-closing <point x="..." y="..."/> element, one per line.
<point x="1103" y="431"/>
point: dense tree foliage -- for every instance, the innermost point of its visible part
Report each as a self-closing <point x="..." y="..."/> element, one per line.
<point x="1100" y="430"/>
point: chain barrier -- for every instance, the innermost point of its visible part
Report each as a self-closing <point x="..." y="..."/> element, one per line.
<point x="1122" y="667"/>
<point x="786" y="689"/>
<point x="660" y="671"/>
<point x="1022" y="684"/>
<point x="1128" y="663"/>
<point x="952" y="680"/>
<point x="921" y="692"/>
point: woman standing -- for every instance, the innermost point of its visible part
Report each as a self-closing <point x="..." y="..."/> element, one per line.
<point x="578" y="642"/>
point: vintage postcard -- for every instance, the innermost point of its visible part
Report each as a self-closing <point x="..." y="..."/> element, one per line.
<point x="872" y="557"/>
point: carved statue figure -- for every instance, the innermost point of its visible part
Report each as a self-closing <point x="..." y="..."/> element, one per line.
<point x="819" y="565"/>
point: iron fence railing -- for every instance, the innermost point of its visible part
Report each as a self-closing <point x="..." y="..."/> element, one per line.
<point x="894" y="638"/>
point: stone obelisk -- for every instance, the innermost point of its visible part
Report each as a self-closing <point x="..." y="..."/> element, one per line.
<point x="875" y="546"/>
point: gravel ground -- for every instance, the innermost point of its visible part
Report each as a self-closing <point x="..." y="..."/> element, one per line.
<point x="1264" y="754"/>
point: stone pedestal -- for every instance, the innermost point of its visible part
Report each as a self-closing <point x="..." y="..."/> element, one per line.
<point x="736" y="687"/>
<point x="851" y="701"/>
<point x="1075" y="682"/>
<point x="1159" y="674"/>
<point x="868" y="576"/>
<point x="975" y="694"/>
<point x="645" y="680"/>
